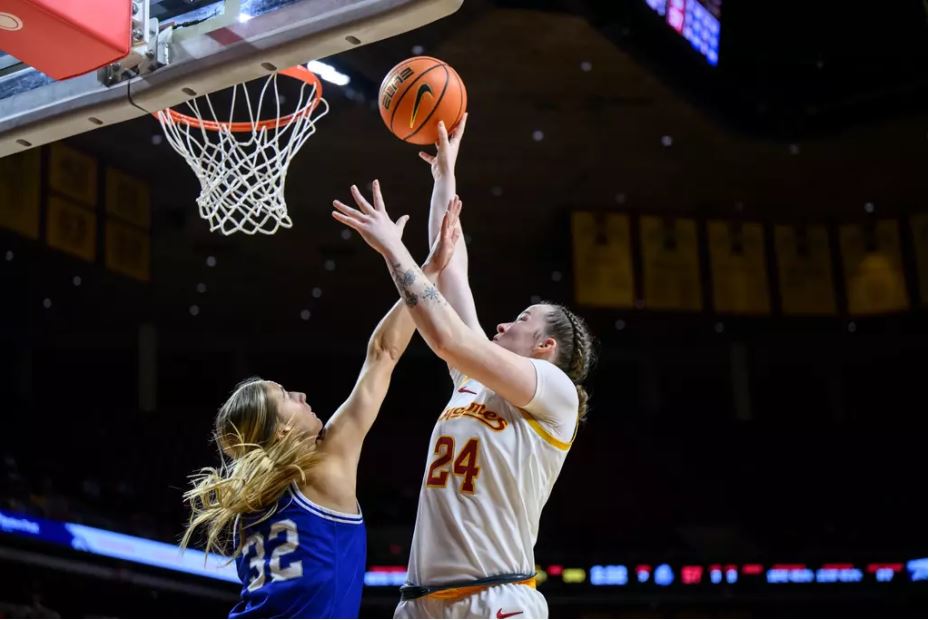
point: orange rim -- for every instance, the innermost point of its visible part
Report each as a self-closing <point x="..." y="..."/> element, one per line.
<point x="298" y="72"/>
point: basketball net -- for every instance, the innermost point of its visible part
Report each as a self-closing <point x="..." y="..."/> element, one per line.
<point x="242" y="166"/>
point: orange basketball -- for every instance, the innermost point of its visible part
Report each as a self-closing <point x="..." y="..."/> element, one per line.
<point x="418" y="93"/>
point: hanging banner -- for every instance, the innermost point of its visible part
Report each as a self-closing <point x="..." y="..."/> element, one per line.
<point x="670" y="264"/>
<point x="128" y="250"/>
<point x="603" y="274"/>
<point x="804" y="269"/>
<point x="71" y="228"/>
<point x="738" y="267"/>
<point x="127" y="198"/>
<point x="72" y="174"/>
<point x="20" y="196"/>
<point x="873" y="269"/>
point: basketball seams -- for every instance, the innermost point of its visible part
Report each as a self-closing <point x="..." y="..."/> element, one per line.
<point x="435" y="106"/>
<point x="395" y="71"/>
<point x="400" y="97"/>
<point x="387" y="115"/>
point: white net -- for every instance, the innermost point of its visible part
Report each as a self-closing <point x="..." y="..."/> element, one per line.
<point x="242" y="166"/>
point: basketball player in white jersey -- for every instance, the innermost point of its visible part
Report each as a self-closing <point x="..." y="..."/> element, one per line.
<point x="499" y="444"/>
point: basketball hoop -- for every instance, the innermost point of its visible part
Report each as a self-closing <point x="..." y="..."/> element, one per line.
<point x="242" y="165"/>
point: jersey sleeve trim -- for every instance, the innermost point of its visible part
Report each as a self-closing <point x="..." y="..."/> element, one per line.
<point x="326" y="513"/>
<point x="544" y="434"/>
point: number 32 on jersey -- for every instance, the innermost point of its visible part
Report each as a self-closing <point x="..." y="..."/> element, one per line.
<point x="255" y="547"/>
<point x="464" y="465"/>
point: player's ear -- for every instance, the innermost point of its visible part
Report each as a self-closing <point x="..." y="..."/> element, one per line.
<point x="546" y="347"/>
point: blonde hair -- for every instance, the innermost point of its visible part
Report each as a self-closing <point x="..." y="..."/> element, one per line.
<point x="576" y="349"/>
<point x="256" y="467"/>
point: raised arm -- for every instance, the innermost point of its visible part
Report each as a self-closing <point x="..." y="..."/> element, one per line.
<point x="512" y="376"/>
<point x="453" y="282"/>
<point x="347" y="428"/>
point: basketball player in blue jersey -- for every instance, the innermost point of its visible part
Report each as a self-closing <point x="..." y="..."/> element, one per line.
<point x="283" y="499"/>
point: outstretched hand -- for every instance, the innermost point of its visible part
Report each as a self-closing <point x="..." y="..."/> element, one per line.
<point x="371" y="221"/>
<point x="443" y="162"/>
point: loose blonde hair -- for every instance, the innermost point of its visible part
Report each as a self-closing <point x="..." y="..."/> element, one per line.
<point x="256" y="467"/>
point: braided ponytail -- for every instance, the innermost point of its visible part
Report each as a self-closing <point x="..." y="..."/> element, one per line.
<point x="576" y="353"/>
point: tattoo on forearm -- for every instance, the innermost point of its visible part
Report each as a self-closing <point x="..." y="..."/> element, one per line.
<point x="409" y="298"/>
<point x="431" y="294"/>
<point x="407" y="277"/>
<point x="405" y="280"/>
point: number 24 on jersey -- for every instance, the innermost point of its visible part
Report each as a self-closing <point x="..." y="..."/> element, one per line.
<point x="464" y="466"/>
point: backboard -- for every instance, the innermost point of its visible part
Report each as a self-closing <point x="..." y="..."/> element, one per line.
<point x="204" y="46"/>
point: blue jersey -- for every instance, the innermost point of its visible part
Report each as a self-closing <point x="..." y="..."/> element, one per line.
<point x="305" y="561"/>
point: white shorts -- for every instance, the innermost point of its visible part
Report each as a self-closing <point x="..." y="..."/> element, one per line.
<point x="508" y="600"/>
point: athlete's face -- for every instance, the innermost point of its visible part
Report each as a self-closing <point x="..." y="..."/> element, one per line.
<point x="293" y="413"/>
<point x="526" y="335"/>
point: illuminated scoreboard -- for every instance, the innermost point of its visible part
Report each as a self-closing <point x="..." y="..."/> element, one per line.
<point x="733" y="575"/>
<point x="695" y="20"/>
<point x="725" y="576"/>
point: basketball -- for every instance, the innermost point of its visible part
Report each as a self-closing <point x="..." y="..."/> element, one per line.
<point x="417" y="94"/>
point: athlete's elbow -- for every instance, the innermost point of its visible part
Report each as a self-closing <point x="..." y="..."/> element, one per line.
<point x="382" y="352"/>
<point x="445" y="345"/>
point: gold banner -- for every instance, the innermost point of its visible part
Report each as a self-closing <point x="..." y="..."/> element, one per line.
<point x="738" y="267"/>
<point x="20" y="196"/>
<point x="73" y="174"/>
<point x="918" y="226"/>
<point x="670" y="263"/>
<point x="127" y="198"/>
<point x="602" y="260"/>
<point x="873" y="269"/>
<point x="804" y="268"/>
<point x="71" y="228"/>
<point x="128" y="251"/>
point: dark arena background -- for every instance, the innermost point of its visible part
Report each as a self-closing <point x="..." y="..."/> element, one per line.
<point x="732" y="193"/>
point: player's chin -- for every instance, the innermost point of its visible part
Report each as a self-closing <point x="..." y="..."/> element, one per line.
<point x="502" y="342"/>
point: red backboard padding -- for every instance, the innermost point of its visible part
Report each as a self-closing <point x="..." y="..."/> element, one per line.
<point x="64" y="38"/>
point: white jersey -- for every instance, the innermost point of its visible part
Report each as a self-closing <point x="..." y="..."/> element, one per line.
<point x="490" y="469"/>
